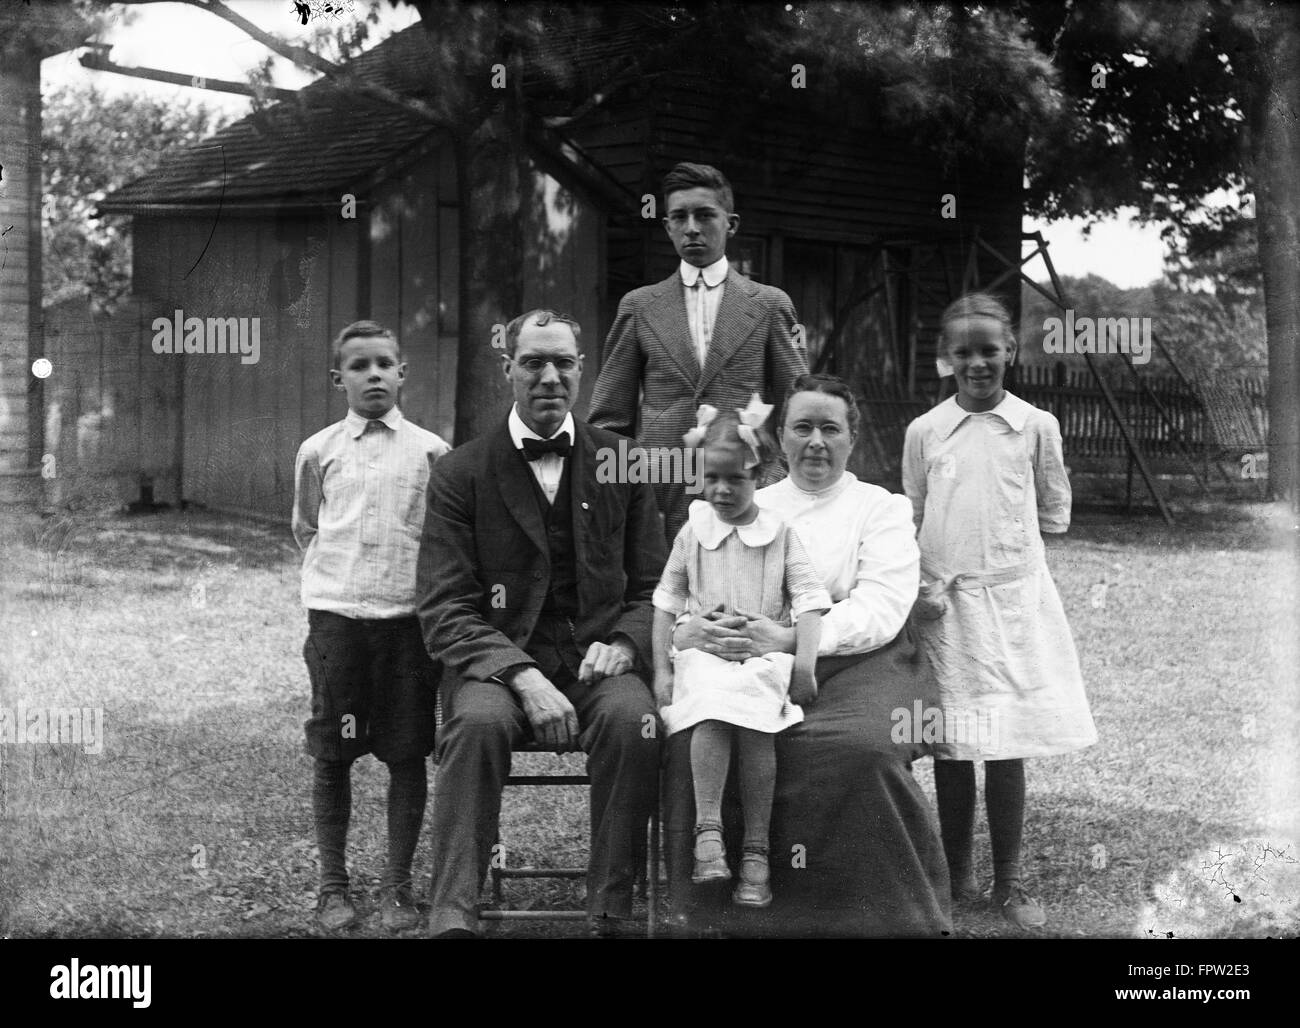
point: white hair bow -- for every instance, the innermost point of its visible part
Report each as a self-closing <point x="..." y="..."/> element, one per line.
<point x="751" y="419"/>
<point x="703" y="418"/>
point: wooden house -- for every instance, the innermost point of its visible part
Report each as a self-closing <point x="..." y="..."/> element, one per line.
<point x="257" y="223"/>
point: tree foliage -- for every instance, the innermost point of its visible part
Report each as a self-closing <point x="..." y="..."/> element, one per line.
<point x="93" y="143"/>
<point x="1209" y="333"/>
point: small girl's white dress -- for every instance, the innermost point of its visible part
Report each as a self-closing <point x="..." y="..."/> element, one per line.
<point x="758" y="568"/>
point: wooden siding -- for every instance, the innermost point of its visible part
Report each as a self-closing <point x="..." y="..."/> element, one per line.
<point x="308" y="276"/>
<point x="112" y="415"/>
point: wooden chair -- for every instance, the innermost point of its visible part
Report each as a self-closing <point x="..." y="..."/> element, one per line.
<point x="501" y="874"/>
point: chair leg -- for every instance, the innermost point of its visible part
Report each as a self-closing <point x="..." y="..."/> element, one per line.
<point x="494" y="868"/>
<point x="652" y="878"/>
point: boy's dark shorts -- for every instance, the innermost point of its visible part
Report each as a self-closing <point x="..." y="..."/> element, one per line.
<point x="377" y="671"/>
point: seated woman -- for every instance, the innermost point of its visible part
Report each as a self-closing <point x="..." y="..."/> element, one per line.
<point x="855" y="845"/>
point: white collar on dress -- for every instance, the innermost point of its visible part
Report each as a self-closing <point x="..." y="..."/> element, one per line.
<point x="711" y="530"/>
<point x="357" y="423"/>
<point x="713" y="274"/>
<point x="846" y="479"/>
<point x="949" y="414"/>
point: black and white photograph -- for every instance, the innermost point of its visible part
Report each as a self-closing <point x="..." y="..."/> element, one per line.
<point x="394" y="395"/>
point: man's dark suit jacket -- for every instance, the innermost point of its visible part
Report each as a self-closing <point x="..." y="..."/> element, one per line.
<point x="482" y="573"/>
<point x="651" y="383"/>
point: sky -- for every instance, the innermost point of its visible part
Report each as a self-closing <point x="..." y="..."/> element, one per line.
<point x="178" y="37"/>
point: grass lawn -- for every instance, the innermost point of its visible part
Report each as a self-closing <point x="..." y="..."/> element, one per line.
<point x="194" y="820"/>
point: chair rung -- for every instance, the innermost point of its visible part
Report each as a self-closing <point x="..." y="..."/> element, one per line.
<point x="532" y="915"/>
<point x="548" y="780"/>
<point x="541" y="872"/>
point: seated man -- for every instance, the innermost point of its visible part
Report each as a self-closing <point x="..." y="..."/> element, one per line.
<point x="535" y="582"/>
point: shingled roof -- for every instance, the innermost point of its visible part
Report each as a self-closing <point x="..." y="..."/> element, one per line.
<point x="328" y="140"/>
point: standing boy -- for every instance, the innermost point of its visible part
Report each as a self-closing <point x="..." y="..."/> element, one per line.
<point x="359" y="501"/>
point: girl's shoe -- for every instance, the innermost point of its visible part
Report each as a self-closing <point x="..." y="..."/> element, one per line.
<point x="334" y="910"/>
<point x="753" y="890"/>
<point x="710" y="855"/>
<point x="397" y="910"/>
<point x="1017" y="906"/>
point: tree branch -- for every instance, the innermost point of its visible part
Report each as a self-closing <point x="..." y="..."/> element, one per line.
<point x="305" y="58"/>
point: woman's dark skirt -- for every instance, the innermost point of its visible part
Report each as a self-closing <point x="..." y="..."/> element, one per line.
<point x="855" y="848"/>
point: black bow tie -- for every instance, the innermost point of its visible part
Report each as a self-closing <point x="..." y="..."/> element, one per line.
<point x="536" y="449"/>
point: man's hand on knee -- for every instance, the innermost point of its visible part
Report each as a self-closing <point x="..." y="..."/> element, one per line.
<point x="605" y="660"/>
<point x="551" y="715"/>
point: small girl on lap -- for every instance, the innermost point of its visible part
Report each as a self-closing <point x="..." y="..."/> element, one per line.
<point x="731" y="556"/>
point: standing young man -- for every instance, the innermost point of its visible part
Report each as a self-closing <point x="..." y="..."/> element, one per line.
<point x="704" y="335"/>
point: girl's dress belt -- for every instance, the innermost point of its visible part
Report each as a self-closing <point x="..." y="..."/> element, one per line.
<point x="971" y="580"/>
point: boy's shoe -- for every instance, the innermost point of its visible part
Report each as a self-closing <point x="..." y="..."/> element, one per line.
<point x="753" y="890"/>
<point x="1017" y="906"/>
<point x="965" y="889"/>
<point x="334" y="911"/>
<point x="710" y="855"/>
<point x="397" y="910"/>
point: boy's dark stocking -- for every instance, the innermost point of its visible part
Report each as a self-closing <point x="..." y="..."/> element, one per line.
<point x="331" y="800"/>
<point x="408" y="789"/>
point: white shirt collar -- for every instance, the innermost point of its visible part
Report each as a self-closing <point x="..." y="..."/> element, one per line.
<point x="713" y="274"/>
<point x="949" y="414"/>
<point x="712" y="531"/>
<point x="519" y="431"/>
<point x="357" y="424"/>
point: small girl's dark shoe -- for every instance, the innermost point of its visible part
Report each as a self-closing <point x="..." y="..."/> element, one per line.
<point x="753" y="889"/>
<point x="710" y="855"/>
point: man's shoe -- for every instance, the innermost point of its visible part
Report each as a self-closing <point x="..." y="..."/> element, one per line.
<point x="456" y="933"/>
<point x="710" y="856"/>
<point x="1017" y="906"/>
<point x="611" y="926"/>
<point x="334" y="911"/>
<point x="753" y="890"/>
<point x="397" y="909"/>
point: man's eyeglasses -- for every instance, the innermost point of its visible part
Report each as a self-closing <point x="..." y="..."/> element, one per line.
<point x="536" y="365"/>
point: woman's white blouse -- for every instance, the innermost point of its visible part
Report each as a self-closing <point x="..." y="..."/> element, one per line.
<point x="862" y="544"/>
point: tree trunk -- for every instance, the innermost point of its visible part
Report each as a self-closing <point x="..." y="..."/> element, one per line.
<point x="1276" y="145"/>
<point x="491" y="174"/>
<point x="485" y="117"/>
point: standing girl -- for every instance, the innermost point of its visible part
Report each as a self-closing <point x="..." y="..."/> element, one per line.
<point x="985" y="474"/>
<point x="731" y="556"/>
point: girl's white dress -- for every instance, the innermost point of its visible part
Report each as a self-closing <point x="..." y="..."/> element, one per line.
<point x="981" y="486"/>
<point x="758" y="568"/>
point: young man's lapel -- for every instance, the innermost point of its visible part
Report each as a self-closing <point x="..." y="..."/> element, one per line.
<point x="666" y="316"/>
<point x="738" y="312"/>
